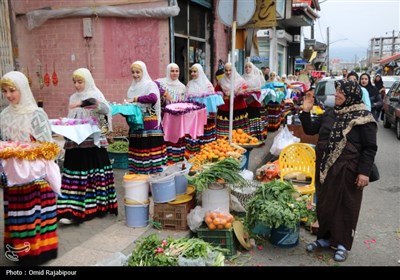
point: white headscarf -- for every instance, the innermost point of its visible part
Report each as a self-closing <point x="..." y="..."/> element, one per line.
<point x="175" y="88"/>
<point x="21" y="121"/>
<point x="144" y="87"/>
<point x="201" y="84"/>
<point x="254" y="79"/>
<point x="90" y="91"/>
<point x="27" y="103"/>
<point x="225" y="82"/>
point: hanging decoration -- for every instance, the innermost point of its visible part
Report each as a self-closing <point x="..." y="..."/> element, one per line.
<point x="46" y="77"/>
<point x="54" y="77"/>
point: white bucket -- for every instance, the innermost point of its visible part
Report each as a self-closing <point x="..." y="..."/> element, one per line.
<point x="216" y="199"/>
<point x="136" y="187"/>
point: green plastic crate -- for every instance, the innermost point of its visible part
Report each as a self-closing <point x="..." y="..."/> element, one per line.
<point x="224" y="238"/>
<point x="118" y="160"/>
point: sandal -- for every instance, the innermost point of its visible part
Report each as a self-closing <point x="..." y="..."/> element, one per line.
<point x="340" y="255"/>
<point x="314" y="246"/>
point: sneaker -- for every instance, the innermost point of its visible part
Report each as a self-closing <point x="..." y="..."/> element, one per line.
<point x="66" y="221"/>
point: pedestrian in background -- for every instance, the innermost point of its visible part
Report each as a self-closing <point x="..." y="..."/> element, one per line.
<point x="374" y="95"/>
<point x="344" y="73"/>
<point x="378" y="83"/>
<point x="88" y="188"/>
<point x="266" y="72"/>
<point x="30" y="205"/>
<point x="345" y="152"/>
<point x="353" y="76"/>
<point x="147" y="150"/>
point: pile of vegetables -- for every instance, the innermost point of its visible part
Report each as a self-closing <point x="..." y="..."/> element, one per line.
<point x="151" y="251"/>
<point x="118" y="147"/>
<point x="224" y="171"/>
<point x="274" y="204"/>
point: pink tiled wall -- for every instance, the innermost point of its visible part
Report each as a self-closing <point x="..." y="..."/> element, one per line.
<point x="221" y="41"/>
<point x="115" y="44"/>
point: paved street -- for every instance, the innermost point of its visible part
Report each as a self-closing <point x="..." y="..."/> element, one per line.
<point x="377" y="241"/>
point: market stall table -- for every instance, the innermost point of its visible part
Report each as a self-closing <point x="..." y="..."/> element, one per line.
<point x="76" y="130"/>
<point x="211" y="100"/>
<point x="184" y="118"/>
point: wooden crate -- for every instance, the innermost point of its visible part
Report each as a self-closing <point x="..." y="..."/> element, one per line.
<point x="173" y="217"/>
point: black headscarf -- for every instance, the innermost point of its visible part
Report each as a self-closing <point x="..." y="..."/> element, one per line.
<point x="378" y="83"/>
<point x="372" y="90"/>
<point x="351" y="113"/>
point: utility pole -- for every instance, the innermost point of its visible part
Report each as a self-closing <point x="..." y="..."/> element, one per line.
<point x="327" y="49"/>
<point x="312" y="31"/>
<point x="393" y="42"/>
<point x="355" y="62"/>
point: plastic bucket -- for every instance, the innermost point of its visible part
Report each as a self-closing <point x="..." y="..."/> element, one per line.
<point x="136" y="187"/>
<point x="262" y="230"/>
<point x="181" y="181"/>
<point x="181" y="184"/>
<point x="285" y="237"/>
<point x="163" y="189"/>
<point x="216" y="199"/>
<point x="137" y="215"/>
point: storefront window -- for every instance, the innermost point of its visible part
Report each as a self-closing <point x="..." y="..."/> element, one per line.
<point x="190" y="37"/>
<point x="180" y="21"/>
<point x="281" y="59"/>
<point x="263" y="50"/>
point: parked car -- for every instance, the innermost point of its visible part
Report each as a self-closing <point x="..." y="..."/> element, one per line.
<point x="391" y="108"/>
<point x="325" y="92"/>
<point x="388" y="81"/>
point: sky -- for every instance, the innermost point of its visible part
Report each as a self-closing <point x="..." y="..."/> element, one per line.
<point x="353" y="23"/>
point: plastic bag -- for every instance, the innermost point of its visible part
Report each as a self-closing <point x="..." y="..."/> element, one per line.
<point x="195" y="218"/>
<point x="247" y="174"/>
<point x="283" y="139"/>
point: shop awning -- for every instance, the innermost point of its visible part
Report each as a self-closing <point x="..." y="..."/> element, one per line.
<point x="388" y="59"/>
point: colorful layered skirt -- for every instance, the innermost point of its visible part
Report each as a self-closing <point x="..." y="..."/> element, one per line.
<point x="30" y="218"/>
<point x="87" y="188"/>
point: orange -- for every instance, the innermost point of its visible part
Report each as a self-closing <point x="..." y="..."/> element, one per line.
<point x="212" y="226"/>
<point x="228" y="225"/>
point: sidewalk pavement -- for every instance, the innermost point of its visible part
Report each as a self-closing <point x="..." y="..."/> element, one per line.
<point x="101" y="241"/>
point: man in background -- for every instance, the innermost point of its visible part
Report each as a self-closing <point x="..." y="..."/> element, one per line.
<point x="266" y="71"/>
<point x="344" y="72"/>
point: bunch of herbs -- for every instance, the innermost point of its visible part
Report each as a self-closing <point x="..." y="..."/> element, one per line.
<point x="275" y="204"/>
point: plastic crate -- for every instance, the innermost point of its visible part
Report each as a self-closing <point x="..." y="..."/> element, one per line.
<point x="118" y="160"/>
<point x="224" y="238"/>
<point x="173" y="217"/>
